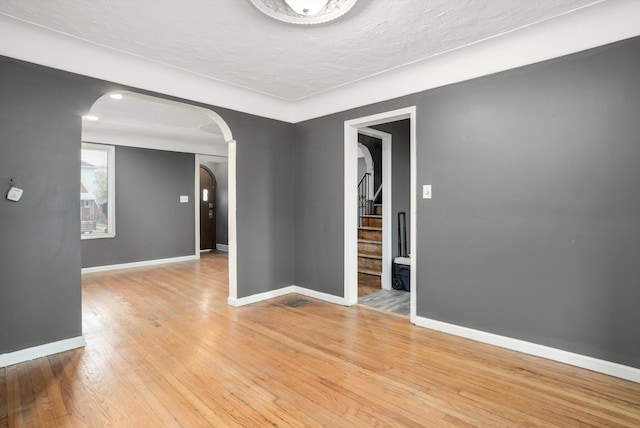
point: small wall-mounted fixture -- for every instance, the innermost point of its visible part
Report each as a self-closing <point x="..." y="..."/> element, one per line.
<point x="15" y="193"/>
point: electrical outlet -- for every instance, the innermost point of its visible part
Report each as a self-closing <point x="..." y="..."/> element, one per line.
<point x="184" y="199"/>
<point x="14" y="194"/>
<point x="426" y="191"/>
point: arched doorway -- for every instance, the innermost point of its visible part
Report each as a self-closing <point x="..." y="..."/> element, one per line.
<point x="147" y="115"/>
<point x="207" y="201"/>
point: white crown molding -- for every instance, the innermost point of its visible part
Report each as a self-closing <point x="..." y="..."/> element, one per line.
<point x="40" y="351"/>
<point x="584" y="29"/>
<point x="32" y="43"/>
<point x="589" y="27"/>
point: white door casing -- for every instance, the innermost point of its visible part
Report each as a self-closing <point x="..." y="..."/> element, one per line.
<point x="351" y="128"/>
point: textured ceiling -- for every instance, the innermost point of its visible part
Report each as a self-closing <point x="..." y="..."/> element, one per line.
<point x="231" y="41"/>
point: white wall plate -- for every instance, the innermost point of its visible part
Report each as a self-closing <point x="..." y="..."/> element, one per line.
<point x="14" y="194"/>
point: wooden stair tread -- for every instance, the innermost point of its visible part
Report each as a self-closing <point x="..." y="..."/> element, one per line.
<point x="369" y="272"/>
<point x="370" y="256"/>
<point x="365" y="241"/>
<point x="371" y="216"/>
<point x="370" y="228"/>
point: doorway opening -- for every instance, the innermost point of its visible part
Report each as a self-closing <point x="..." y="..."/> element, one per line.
<point x="217" y="205"/>
<point x="137" y="120"/>
<point x="351" y="207"/>
<point x="208" y="206"/>
<point x="374" y="211"/>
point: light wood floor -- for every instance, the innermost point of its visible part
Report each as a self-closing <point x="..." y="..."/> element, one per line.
<point x="164" y="349"/>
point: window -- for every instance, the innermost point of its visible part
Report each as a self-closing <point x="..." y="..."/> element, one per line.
<point x="97" y="185"/>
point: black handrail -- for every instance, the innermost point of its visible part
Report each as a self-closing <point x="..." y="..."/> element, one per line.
<point x="363" y="196"/>
<point x="366" y="174"/>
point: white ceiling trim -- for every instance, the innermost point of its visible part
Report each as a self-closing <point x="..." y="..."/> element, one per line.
<point x="584" y="29"/>
<point x="32" y="43"/>
<point x="592" y="26"/>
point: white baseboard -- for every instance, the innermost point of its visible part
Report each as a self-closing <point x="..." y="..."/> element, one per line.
<point x="139" y="264"/>
<point x="283" y="291"/>
<point x="320" y="296"/>
<point x="260" y="296"/>
<point x="39" y="351"/>
<point x="578" y="360"/>
<point x="222" y="247"/>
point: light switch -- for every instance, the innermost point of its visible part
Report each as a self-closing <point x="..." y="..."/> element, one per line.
<point x="426" y="191"/>
<point x="184" y="199"/>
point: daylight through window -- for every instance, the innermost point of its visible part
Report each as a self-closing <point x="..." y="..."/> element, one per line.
<point x="97" y="191"/>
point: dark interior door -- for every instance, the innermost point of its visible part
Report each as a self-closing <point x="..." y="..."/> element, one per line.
<point x="207" y="209"/>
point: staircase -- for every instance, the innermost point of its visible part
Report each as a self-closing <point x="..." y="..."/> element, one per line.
<point x="370" y="248"/>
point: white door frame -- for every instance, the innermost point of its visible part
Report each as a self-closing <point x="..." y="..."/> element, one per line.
<point x="387" y="198"/>
<point x="231" y="215"/>
<point x="201" y="160"/>
<point x="351" y="128"/>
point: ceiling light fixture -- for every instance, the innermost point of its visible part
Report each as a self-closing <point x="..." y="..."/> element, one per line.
<point x="307" y="7"/>
<point x="116" y="96"/>
<point x="91" y="118"/>
<point x="304" y="11"/>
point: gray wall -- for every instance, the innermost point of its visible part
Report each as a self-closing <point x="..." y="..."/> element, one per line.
<point x="533" y="231"/>
<point x="39" y="236"/>
<point x="400" y="177"/>
<point x="318" y="209"/>
<point x="151" y="223"/>
<point x="221" y="172"/>
<point x="264" y="190"/>
<point x="40" y="261"/>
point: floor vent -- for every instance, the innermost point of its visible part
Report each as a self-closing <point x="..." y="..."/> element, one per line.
<point x="296" y="303"/>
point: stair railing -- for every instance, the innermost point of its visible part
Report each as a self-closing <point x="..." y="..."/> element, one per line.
<point x="377" y="198"/>
<point x="363" y="196"/>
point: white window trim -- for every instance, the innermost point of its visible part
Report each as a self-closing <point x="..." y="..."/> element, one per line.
<point x="111" y="193"/>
